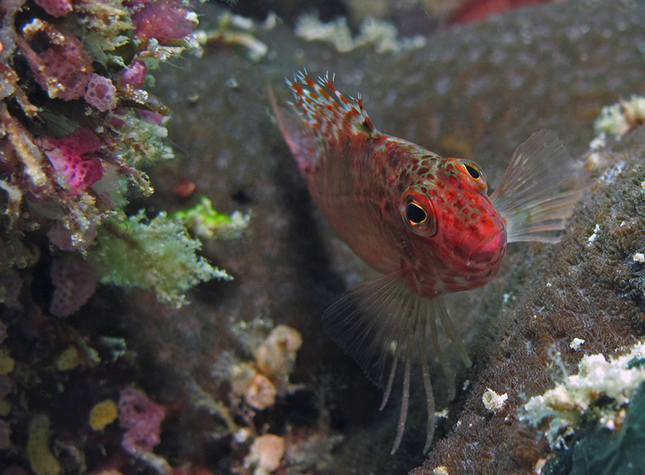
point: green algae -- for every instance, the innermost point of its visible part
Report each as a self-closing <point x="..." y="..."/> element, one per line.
<point x="157" y="254"/>
<point x="207" y="223"/>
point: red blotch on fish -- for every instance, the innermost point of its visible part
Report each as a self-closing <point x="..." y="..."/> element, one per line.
<point x="476" y="10"/>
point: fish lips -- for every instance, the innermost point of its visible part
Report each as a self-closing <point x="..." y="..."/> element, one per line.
<point x="491" y="249"/>
<point x="487" y="252"/>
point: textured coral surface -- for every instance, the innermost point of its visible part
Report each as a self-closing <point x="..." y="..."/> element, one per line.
<point x="477" y="93"/>
<point x="216" y="381"/>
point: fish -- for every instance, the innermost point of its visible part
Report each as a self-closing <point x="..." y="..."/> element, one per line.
<point x="425" y="222"/>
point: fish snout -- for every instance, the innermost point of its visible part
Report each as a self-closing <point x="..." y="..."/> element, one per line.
<point x="491" y="249"/>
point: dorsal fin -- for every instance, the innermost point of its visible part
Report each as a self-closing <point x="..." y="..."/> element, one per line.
<point x="326" y="109"/>
<point x="302" y="140"/>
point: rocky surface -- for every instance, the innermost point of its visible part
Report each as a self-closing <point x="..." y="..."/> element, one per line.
<point x="475" y="92"/>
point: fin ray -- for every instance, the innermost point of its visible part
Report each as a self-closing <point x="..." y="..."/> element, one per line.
<point x="384" y="325"/>
<point x="302" y="141"/>
<point x="539" y="189"/>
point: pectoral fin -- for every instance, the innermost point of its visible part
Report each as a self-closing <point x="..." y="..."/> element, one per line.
<point x="382" y="323"/>
<point x="539" y="189"/>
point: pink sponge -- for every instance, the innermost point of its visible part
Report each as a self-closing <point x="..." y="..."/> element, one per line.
<point x="72" y="157"/>
<point x="134" y="75"/>
<point x="141" y="418"/>
<point x="164" y="20"/>
<point x="66" y="65"/>
<point x="74" y="282"/>
<point x="56" y="7"/>
<point x="101" y="93"/>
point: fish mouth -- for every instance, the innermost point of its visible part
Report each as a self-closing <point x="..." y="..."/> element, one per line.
<point x="490" y="249"/>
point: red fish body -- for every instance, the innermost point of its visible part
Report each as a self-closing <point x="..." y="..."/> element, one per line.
<point x="424" y="221"/>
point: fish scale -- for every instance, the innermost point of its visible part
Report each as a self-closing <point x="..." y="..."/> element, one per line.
<point x="424" y="221"/>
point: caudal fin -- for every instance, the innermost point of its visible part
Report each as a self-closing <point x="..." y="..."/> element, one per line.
<point x="382" y="323"/>
<point x="539" y="189"/>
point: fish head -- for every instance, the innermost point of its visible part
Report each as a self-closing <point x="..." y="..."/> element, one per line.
<point x="453" y="230"/>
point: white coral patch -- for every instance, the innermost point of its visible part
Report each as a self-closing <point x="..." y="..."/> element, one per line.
<point x="494" y="402"/>
<point x="565" y="404"/>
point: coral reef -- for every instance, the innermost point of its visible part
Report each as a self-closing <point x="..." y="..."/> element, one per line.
<point x="74" y="281"/>
<point x="290" y="267"/>
<point x="102" y="414"/>
<point x="266" y="452"/>
<point x="61" y="165"/>
<point x="224" y="369"/>
<point x="41" y="459"/>
<point x="233" y="30"/>
<point x="205" y="222"/>
<point x="595" y="379"/>
<point x="77" y="128"/>
<point x="380" y="34"/>
<point x="619" y="119"/>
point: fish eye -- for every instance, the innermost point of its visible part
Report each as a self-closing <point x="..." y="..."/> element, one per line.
<point x="415" y="213"/>
<point x="418" y="214"/>
<point x="472" y="171"/>
<point x="475" y="173"/>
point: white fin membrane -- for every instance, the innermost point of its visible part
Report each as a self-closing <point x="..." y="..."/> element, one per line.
<point x="539" y="189"/>
<point x="382" y="323"/>
<point x="302" y="141"/>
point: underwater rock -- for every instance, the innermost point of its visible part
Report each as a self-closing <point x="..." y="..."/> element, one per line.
<point x="474" y="92"/>
<point x="288" y="266"/>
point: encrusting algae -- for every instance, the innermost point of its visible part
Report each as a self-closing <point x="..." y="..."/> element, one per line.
<point x="102" y="414"/>
<point x="41" y="459"/>
<point x="424" y="221"/>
